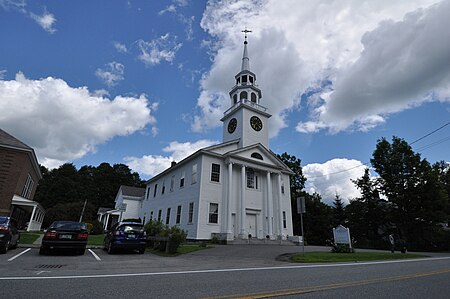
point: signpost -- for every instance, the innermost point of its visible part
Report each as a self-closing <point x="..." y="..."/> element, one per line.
<point x="341" y="235"/>
<point x="300" y="210"/>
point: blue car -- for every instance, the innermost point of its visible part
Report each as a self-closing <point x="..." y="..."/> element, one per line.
<point x="9" y="234"/>
<point x="126" y="236"/>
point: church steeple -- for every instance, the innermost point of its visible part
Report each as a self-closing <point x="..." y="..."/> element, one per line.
<point x="246" y="119"/>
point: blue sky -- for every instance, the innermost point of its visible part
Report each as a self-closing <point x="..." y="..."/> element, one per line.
<point x="146" y="82"/>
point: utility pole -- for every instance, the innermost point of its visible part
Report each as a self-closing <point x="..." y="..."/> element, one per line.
<point x="82" y="211"/>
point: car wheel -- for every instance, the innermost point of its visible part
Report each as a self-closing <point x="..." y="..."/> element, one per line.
<point x="15" y="244"/>
<point x="110" y="248"/>
<point x="81" y="251"/>
<point x="4" y="249"/>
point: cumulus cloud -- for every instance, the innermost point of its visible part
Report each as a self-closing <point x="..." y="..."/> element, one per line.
<point x="63" y="123"/>
<point x="111" y="74"/>
<point x="151" y="165"/>
<point x="121" y="48"/>
<point x="334" y="177"/>
<point x="46" y="21"/>
<point x="2" y="74"/>
<point x="402" y="65"/>
<point x="296" y="46"/>
<point x="160" y="49"/>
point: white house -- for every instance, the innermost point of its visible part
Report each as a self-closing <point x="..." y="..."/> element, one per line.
<point x="238" y="189"/>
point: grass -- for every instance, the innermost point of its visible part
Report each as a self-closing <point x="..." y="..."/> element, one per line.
<point x="329" y="257"/>
<point x="29" y="237"/>
<point x="96" y="240"/>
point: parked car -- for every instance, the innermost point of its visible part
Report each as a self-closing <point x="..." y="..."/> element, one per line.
<point x="9" y="234"/>
<point x="127" y="236"/>
<point x="66" y="235"/>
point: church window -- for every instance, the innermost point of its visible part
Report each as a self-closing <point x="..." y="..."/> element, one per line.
<point x="257" y="156"/>
<point x="182" y="179"/>
<point x="28" y="187"/>
<point x="159" y="215"/>
<point x="244" y="79"/>
<point x="235" y="99"/>
<point x="191" y="212"/>
<point x="154" y="190"/>
<point x="284" y="220"/>
<point x="238" y="80"/>
<point x="282" y="185"/>
<point x="194" y="174"/>
<point x="172" y="182"/>
<point x="178" y="215"/>
<point x="253" y="97"/>
<point x="151" y="215"/>
<point x="252" y="179"/>
<point x="251" y="79"/>
<point x="163" y="187"/>
<point x="148" y="193"/>
<point x="243" y="95"/>
<point x="168" y="216"/>
<point x="215" y="173"/>
<point x="213" y="213"/>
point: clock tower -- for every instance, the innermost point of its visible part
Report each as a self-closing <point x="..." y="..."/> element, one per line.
<point x="246" y="119"/>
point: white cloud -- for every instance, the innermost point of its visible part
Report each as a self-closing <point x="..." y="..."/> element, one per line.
<point x="334" y="177"/>
<point x="121" y="48"/>
<point x="63" y="123"/>
<point x="297" y="45"/>
<point x="112" y="74"/>
<point x="13" y="4"/>
<point x="160" y="49"/>
<point x="2" y="74"/>
<point x="46" y="21"/>
<point x="151" y="165"/>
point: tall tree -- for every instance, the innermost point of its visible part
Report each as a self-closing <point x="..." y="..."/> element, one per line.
<point x="339" y="217"/>
<point x="297" y="181"/>
<point x="317" y="220"/>
<point x="413" y="188"/>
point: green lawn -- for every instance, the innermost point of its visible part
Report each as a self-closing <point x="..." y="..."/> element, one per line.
<point x="329" y="257"/>
<point x="96" y="240"/>
<point x="28" y="237"/>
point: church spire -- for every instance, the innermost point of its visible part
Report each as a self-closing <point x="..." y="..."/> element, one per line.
<point x="245" y="59"/>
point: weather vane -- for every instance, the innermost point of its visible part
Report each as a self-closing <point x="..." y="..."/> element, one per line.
<point x="245" y="34"/>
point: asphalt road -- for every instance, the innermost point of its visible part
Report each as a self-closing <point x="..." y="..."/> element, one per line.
<point x="222" y="272"/>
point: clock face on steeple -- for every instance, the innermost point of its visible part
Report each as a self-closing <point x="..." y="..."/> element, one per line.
<point x="232" y="125"/>
<point x="256" y="123"/>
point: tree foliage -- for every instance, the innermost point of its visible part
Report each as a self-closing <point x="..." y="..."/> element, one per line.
<point x="63" y="191"/>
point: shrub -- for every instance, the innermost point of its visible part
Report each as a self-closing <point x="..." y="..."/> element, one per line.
<point x="341" y="248"/>
<point x="97" y="228"/>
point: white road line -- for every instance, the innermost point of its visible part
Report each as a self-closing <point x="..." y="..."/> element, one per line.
<point x="96" y="256"/>
<point x="220" y="270"/>
<point x="17" y="255"/>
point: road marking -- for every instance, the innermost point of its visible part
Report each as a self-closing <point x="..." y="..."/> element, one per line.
<point x="96" y="256"/>
<point x="318" y="288"/>
<point x="223" y="270"/>
<point x="17" y="255"/>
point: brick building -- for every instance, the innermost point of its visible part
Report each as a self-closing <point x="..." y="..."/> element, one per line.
<point x="19" y="177"/>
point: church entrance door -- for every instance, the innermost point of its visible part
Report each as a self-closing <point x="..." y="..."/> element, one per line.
<point x="251" y="225"/>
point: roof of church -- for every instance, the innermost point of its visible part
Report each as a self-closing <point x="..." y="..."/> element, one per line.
<point x="132" y="191"/>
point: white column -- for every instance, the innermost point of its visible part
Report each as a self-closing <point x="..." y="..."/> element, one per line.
<point x="229" y="199"/>
<point x="106" y="224"/>
<point x="269" y="205"/>
<point x="280" y="209"/>
<point x="31" y="224"/>
<point x="242" y="206"/>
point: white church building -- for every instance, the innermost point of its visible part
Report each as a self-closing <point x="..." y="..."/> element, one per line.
<point x="238" y="189"/>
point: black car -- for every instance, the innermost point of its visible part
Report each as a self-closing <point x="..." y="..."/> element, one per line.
<point x="66" y="235"/>
<point x="127" y="236"/>
<point x="9" y="234"/>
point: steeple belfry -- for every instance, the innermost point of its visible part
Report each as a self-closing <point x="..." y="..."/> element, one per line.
<point x="246" y="119"/>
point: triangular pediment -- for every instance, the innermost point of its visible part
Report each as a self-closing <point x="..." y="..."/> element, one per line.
<point x="258" y="154"/>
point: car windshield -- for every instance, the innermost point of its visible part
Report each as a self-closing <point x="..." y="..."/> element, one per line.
<point x="67" y="225"/>
<point x="131" y="228"/>
<point x="3" y="220"/>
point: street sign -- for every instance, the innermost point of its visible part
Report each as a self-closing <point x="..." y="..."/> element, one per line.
<point x="301" y="205"/>
<point x="123" y="207"/>
<point x="341" y="235"/>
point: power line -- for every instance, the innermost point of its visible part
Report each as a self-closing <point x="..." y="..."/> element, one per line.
<point x="419" y="150"/>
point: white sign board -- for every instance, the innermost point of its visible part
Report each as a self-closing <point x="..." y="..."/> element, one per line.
<point x="341" y="235"/>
